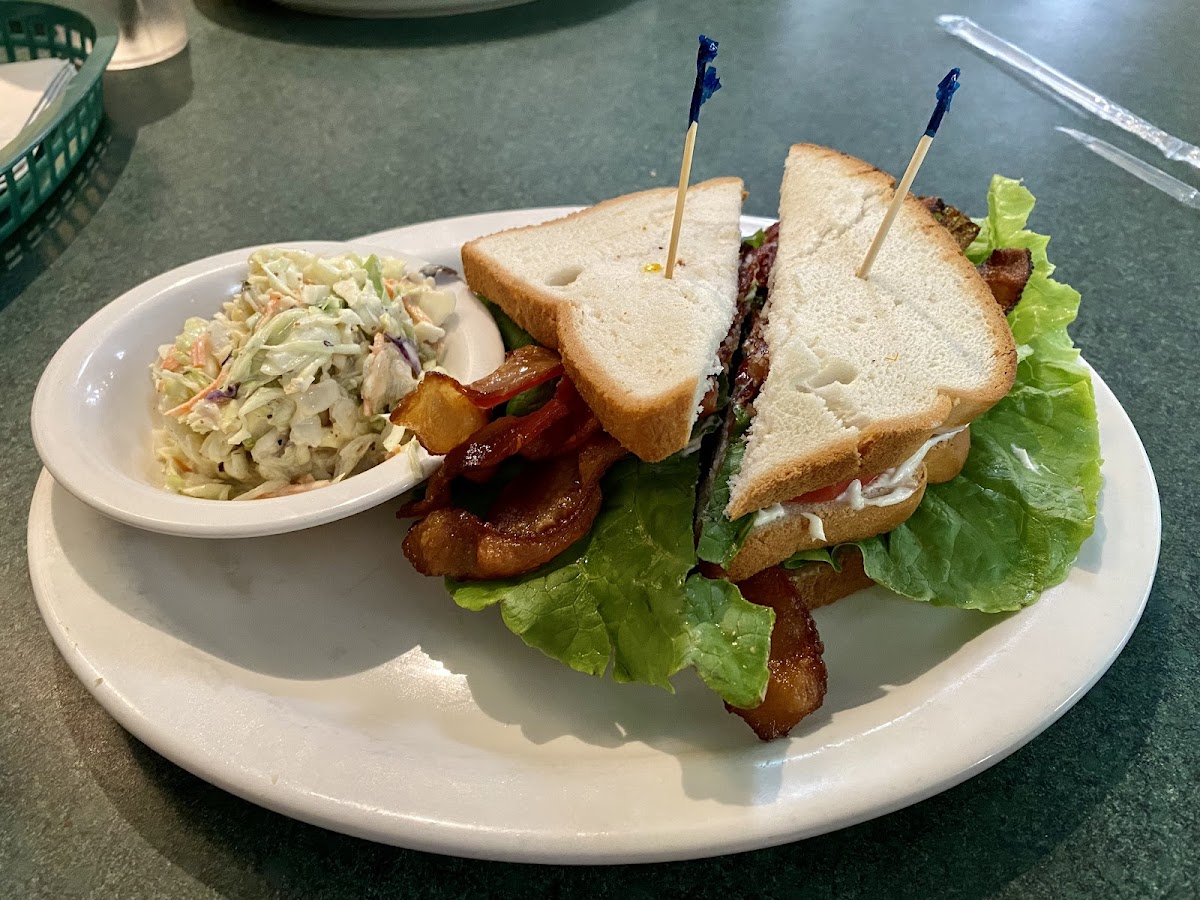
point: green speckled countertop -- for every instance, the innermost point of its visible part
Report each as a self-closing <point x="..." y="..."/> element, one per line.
<point x="274" y="125"/>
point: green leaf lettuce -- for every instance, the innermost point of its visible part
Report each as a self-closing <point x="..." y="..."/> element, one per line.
<point x="722" y="538"/>
<point x="512" y="334"/>
<point x="623" y="594"/>
<point x="1010" y="525"/>
<point x="1013" y="522"/>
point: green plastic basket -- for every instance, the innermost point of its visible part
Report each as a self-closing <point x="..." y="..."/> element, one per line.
<point x="39" y="159"/>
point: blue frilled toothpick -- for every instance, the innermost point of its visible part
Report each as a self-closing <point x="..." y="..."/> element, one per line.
<point x="945" y="90"/>
<point x="707" y="84"/>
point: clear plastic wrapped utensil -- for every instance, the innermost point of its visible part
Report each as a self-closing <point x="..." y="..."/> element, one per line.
<point x="1152" y="175"/>
<point x="1068" y="88"/>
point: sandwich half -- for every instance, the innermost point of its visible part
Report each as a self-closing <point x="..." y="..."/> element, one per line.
<point x="852" y="394"/>
<point x="849" y="398"/>
<point x="642" y="350"/>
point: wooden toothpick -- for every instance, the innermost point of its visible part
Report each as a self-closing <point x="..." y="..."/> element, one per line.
<point x="685" y="175"/>
<point x="707" y="84"/>
<point x="946" y="88"/>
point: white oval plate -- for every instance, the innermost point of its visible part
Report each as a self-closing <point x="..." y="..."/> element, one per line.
<point x="316" y="674"/>
<point x="93" y="411"/>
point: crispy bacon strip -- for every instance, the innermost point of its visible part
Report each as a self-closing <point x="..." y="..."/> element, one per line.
<point x="443" y="413"/>
<point x="753" y="272"/>
<point x="439" y="413"/>
<point x="536" y="500"/>
<point x="821" y="585"/>
<point x="1007" y="271"/>
<point x="960" y="226"/>
<point x="537" y="516"/>
<point x="477" y="457"/>
<point x="798" y="679"/>
<point x="570" y="432"/>
<point x="755" y="267"/>
<point x="755" y="360"/>
<point x="756" y="363"/>
<point x="524" y="368"/>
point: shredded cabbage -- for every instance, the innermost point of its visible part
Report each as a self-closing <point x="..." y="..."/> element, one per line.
<point x="290" y="385"/>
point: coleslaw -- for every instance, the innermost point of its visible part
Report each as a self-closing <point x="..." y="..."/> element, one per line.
<point x="289" y="386"/>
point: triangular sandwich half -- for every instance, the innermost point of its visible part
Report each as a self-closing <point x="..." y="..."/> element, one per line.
<point x="869" y="382"/>
<point x="641" y="349"/>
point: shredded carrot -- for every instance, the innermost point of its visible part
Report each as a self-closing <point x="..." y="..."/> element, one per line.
<point x="170" y="364"/>
<point x="200" y="350"/>
<point x="186" y="407"/>
<point x="415" y="312"/>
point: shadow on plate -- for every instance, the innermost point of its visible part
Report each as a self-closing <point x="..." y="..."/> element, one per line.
<point x="260" y="18"/>
<point x="966" y="836"/>
<point x="132" y="99"/>
<point x="1089" y="559"/>
<point x="340" y="600"/>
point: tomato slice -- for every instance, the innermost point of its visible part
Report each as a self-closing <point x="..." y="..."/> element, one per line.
<point x="832" y="492"/>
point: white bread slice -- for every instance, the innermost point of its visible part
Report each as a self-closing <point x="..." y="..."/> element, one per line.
<point x="944" y="461"/>
<point x="863" y="371"/>
<point x="639" y="347"/>
<point x="770" y="544"/>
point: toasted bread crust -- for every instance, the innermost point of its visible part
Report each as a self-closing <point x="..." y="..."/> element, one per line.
<point x="885" y="444"/>
<point x="769" y="545"/>
<point x="532" y="312"/>
<point x="651" y="430"/>
<point x="772" y="544"/>
<point x="944" y="461"/>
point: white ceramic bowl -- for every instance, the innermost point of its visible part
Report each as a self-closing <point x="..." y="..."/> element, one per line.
<point x="93" y="412"/>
